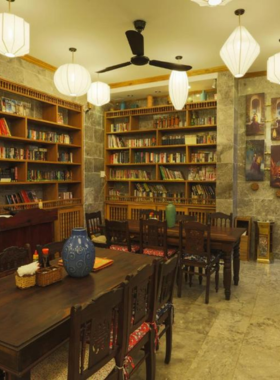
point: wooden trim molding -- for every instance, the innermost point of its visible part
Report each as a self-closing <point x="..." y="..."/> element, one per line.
<point x="191" y="73"/>
<point x="38" y="62"/>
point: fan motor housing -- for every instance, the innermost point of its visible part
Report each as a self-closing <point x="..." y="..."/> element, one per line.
<point x="139" y="60"/>
<point x="139" y="25"/>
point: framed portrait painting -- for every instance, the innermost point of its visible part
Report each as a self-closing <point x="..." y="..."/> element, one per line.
<point x="275" y="166"/>
<point x="254" y="166"/>
<point x="255" y="114"/>
<point x="275" y="117"/>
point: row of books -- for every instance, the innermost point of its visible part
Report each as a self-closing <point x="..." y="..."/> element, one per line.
<point x="204" y="191"/>
<point x="49" y="175"/>
<point x="119" y="157"/>
<point x="151" y="157"/>
<point x="203" y="120"/>
<point x="120" y="127"/>
<point x="65" y="195"/>
<point x="119" y="142"/>
<point x="65" y="156"/>
<point x="202" y="173"/>
<point x="170" y="121"/>
<point x="168" y="174"/>
<point x="173" y="140"/>
<point x="49" y="136"/>
<point x="15" y="106"/>
<point x="129" y="174"/>
<point x="9" y="174"/>
<point x="204" y="156"/>
<point x="4" y="128"/>
<point x="156" y="190"/>
<point x="29" y="153"/>
<point x="22" y="197"/>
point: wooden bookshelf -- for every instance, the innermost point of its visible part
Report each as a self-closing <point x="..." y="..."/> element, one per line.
<point x="155" y="155"/>
<point x="45" y="148"/>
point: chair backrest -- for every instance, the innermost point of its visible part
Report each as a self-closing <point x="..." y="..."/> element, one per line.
<point x="97" y="332"/>
<point x="13" y="257"/>
<point x="220" y="219"/>
<point x="93" y="222"/>
<point x="55" y="250"/>
<point x="153" y="234"/>
<point x="145" y="214"/>
<point x="187" y="218"/>
<point x="117" y="232"/>
<point x="166" y="281"/>
<point x="194" y="239"/>
<point x="142" y="288"/>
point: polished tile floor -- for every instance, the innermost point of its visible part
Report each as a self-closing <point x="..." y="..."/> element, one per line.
<point x="227" y="340"/>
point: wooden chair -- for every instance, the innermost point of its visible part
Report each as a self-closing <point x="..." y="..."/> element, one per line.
<point x="55" y="250"/>
<point x="141" y="332"/>
<point x="145" y="214"/>
<point x="164" y="301"/>
<point x="97" y="333"/>
<point x="118" y="237"/>
<point x="95" y="230"/>
<point x="153" y="238"/>
<point x="220" y="219"/>
<point x="13" y="257"/>
<point x="195" y="253"/>
<point x="185" y="218"/>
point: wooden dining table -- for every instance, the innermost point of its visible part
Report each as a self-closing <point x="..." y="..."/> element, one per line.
<point x="35" y="321"/>
<point x="225" y="239"/>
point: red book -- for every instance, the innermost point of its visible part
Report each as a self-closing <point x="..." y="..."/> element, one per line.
<point x="24" y="196"/>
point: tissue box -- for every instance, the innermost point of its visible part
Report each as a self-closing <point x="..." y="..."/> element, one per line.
<point x="25" y="281"/>
<point x="49" y="275"/>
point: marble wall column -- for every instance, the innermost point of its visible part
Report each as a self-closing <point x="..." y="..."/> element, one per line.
<point x="226" y="187"/>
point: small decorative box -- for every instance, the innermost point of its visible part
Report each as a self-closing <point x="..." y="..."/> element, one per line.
<point x="25" y="281"/>
<point x="49" y="275"/>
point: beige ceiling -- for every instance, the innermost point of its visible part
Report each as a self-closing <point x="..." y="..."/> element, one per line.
<point x="178" y="27"/>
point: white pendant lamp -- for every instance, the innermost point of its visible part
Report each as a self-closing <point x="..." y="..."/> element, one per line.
<point x="240" y="50"/>
<point x="178" y="88"/>
<point x="98" y="93"/>
<point x="211" y="3"/>
<point x="273" y="68"/>
<point x="14" y="35"/>
<point x="72" y="79"/>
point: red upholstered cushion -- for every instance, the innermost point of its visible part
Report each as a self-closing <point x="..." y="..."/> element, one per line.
<point x="115" y="247"/>
<point x="157" y="252"/>
<point x="137" y="335"/>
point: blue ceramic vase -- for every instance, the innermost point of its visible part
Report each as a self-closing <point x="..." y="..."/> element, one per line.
<point x="170" y="212"/>
<point x="78" y="254"/>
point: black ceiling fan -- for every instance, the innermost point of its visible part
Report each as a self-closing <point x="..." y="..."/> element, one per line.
<point x="136" y="42"/>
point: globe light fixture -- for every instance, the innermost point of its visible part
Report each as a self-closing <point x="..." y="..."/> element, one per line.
<point x="72" y="79"/>
<point x="273" y="68"/>
<point x="240" y="50"/>
<point x="14" y="35"/>
<point x="178" y="88"/>
<point x="98" y="93"/>
<point x="211" y="3"/>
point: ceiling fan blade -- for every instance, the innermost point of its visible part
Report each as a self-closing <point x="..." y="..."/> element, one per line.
<point x="114" y="67"/>
<point x="170" y="66"/>
<point x="136" y="42"/>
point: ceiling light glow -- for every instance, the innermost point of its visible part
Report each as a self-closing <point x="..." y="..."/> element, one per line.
<point x="14" y="35"/>
<point x="99" y="94"/>
<point x="273" y="69"/>
<point x="211" y="3"/>
<point x="178" y="89"/>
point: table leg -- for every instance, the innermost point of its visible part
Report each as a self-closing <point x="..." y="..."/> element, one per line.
<point x="26" y="376"/>
<point x="236" y="264"/>
<point x="227" y="273"/>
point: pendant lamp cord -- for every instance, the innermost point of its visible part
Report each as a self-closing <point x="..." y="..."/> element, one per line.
<point x="9" y="6"/>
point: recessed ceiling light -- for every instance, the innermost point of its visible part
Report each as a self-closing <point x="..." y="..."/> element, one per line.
<point x="211" y="3"/>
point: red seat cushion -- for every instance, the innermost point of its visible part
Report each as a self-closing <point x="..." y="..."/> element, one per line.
<point x="137" y="335"/>
<point x="134" y="248"/>
<point x="158" y="252"/>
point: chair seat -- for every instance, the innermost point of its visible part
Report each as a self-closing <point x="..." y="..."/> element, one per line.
<point x="98" y="239"/>
<point x="137" y="335"/>
<point x="134" y="248"/>
<point x="55" y="367"/>
<point x="158" y="252"/>
<point x="199" y="259"/>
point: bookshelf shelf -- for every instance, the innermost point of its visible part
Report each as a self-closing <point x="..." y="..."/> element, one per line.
<point x="41" y="136"/>
<point x="176" y="147"/>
